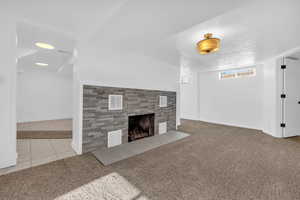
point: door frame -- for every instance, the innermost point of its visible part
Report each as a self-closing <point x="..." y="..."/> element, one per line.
<point x="283" y="95"/>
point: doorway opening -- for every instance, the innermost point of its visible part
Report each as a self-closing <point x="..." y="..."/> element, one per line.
<point x="44" y="95"/>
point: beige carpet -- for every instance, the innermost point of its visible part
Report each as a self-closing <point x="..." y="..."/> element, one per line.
<point x="112" y="187"/>
<point x="214" y="163"/>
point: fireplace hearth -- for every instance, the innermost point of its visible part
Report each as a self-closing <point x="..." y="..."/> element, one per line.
<point x="140" y="126"/>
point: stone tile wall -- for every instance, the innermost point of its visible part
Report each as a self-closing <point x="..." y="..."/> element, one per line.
<point x="98" y="120"/>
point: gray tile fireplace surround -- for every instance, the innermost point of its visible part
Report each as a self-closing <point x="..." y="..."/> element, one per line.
<point x="98" y="120"/>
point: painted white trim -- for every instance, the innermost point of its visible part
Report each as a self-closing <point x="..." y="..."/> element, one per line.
<point x="270" y="134"/>
<point x="80" y="118"/>
<point x="77" y="112"/>
<point x="227" y="124"/>
<point x="178" y="108"/>
<point x="189" y="118"/>
<point x="76" y="148"/>
<point x="8" y="162"/>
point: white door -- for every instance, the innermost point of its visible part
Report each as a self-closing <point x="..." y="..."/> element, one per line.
<point x="292" y="101"/>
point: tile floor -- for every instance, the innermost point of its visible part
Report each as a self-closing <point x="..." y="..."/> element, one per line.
<point x="34" y="152"/>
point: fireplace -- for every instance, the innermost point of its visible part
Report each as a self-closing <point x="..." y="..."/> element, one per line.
<point x="140" y="126"/>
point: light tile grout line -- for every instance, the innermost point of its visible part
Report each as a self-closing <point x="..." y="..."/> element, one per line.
<point x="28" y="144"/>
<point x="30" y="156"/>
<point x="58" y="153"/>
<point x="30" y="153"/>
<point x="48" y="142"/>
<point x="53" y="147"/>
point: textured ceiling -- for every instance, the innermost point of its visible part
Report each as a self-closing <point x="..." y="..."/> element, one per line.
<point x="251" y="31"/>
<point x="148" y="27"/>
<point x="249" y="35"/>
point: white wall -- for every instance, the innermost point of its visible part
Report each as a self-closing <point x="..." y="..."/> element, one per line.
<point x="252" y="102"/>
<point x="126" y="70"/>
<point x="234" y="102"/>
<point x="106" y="68"/>
<point x="43" y="95"/>
<point x="271" y="98"/>
<point x="7" y="90"/>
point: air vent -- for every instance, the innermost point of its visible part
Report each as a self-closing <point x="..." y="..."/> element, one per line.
<point x="115" y="102"/>
<point x="114" y="138"/>
<point x="162" y="128"/>
<point x="163" y="101"/>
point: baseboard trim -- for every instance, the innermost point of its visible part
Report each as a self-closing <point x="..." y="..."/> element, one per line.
<point x="76" y="149"/>
<point x="224" y="124"/>
<point x="275" y="136"/>
<point x="8" y="162"/>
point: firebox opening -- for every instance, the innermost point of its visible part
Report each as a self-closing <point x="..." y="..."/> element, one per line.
<point x="140" y="126"/>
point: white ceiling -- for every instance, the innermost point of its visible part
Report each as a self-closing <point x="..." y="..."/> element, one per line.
<point x="251" y="31"/>
<point x="295" y="55"/>
<point x="147" y="27"/>
<point x="250" y="34"/>
<point x="29" y="54"/>
<point x="28" y="34"/>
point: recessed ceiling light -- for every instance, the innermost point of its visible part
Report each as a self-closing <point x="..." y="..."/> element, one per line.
<point x="44" y="45"/>
<point x="41" y="64"/>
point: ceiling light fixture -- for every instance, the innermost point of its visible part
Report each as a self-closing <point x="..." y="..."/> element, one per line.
<point x="209" y="44"/>
<point x="41" y="64"/>
<point x="44" y="45"/>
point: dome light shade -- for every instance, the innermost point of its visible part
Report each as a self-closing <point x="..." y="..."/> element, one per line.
<point x="41" y="64"/>
<point x="44" y="45"/>
<point x="209" y="44"/>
